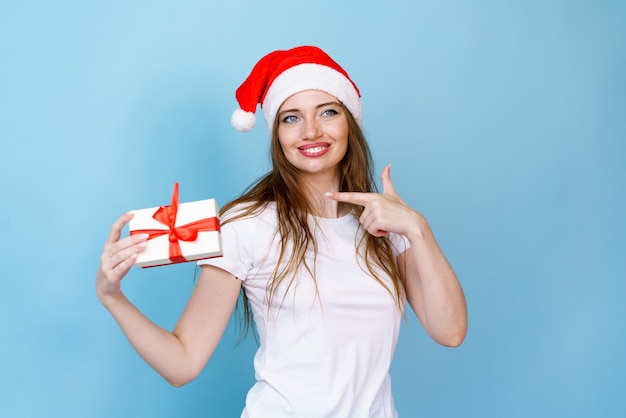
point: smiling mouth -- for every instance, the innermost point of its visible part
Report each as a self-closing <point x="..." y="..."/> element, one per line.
<point x="314" y="150"/>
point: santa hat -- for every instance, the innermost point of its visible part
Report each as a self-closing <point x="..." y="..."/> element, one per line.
<point x="281" y="74"/>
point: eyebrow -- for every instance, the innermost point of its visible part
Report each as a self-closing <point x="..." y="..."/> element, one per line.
<point x="317" y="107"/>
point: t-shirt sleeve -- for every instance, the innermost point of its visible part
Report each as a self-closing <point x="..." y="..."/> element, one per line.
<point x="399" y="243"/>
<point x="236" y="250"/>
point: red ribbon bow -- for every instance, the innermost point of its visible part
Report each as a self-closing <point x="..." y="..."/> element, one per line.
<point x="188" y="232"/>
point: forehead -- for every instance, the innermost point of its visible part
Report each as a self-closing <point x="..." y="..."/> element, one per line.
<point x="308" y="98"/>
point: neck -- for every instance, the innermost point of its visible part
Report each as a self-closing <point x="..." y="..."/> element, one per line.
<point x="323" y="206"/>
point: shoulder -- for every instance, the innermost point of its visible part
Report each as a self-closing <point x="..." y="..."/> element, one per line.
<point x="247" y="214"/>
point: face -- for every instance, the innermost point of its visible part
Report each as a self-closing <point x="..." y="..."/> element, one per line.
<point x="313" y="133"/>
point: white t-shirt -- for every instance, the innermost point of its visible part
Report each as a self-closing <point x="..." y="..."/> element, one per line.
<point x="324" y="354"/>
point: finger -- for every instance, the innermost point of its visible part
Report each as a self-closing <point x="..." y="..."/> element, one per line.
<point x="116" y="228"/>
<point x="122" y="255"/>
<point x="356" y="198"/>
<point x="130" y="242"/>
<point x="129" y="252"/>
<point x="109" y="277"/>
<point x="123" y="266"/>
<point x="385" y="178"/>
<point x="374" y="229"/>
<point x="371" y="224"/>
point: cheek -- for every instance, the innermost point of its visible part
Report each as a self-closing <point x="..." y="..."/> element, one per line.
<point x="342" y="128"/>
<point x="284" y="140"/>
<point x="285" y="149"/>
<point x="341" y="136"/>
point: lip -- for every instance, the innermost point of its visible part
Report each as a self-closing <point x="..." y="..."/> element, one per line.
<point x="314" y="150"/>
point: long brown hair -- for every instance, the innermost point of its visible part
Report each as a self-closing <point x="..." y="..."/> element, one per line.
<point x="282" y="186"/>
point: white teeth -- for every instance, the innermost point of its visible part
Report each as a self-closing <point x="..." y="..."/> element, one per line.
<point x="314" y="150"/>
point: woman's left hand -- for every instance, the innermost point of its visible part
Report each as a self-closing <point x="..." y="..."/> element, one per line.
<point x="383" y="212"/>
<point x="432" y="287"/>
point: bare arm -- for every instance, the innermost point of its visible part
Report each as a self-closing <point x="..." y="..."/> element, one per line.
<point x="180" y="355"/>
<point x="432" y="288"/>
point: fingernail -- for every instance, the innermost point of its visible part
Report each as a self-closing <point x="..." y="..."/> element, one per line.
<point x="142" y="244"/>
<point x="143" y="237"/>
<point x="328" y="194"/>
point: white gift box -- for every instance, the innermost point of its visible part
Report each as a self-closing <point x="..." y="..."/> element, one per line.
<point x="169" y="244"/>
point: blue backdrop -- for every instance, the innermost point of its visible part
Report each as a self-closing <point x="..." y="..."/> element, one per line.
<point x="505" y="123"/>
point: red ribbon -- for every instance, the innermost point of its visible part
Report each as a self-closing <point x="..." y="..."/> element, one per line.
<point x="188" y="232"/>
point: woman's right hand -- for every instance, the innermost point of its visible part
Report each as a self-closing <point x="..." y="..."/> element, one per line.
<point x="178" y="355"/>
<point x="116" y="260"/>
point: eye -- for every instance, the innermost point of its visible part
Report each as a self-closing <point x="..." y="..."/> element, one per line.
<point x="290" y="119"/>
<point x="330" y="112"/>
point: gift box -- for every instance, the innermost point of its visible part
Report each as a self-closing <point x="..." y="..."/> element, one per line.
<point x="178" y="232"/>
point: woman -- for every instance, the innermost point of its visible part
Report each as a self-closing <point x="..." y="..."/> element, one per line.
<point x="325" y="262"/>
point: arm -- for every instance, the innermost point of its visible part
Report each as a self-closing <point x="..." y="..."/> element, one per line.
<point x="180" y="355"/>
<point x="432" y="288"/>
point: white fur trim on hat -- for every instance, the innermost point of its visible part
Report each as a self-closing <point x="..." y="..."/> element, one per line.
<point x="310" y="77"/>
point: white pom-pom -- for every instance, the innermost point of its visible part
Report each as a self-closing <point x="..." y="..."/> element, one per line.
<point x="243" y="121"/>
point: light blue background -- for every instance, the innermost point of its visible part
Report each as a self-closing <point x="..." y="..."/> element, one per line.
<point x="505" y="123"/>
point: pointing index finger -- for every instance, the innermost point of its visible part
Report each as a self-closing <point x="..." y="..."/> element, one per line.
<point x="356" y="198"/>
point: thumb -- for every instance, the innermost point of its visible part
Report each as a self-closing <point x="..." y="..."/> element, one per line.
<point x="385" y="178"/>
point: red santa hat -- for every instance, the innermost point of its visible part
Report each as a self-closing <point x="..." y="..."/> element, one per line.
<point x="281" y="74"/>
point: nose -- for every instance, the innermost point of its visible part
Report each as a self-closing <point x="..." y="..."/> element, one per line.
<point x="310" y="128"/>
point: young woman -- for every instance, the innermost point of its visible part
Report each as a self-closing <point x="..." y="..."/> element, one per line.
<point x="326" y="262"/>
